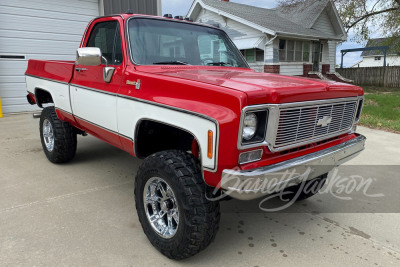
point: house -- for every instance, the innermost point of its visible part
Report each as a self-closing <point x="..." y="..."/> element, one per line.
<point x="375" y="58"/>
<point x="296" y="41"/>
<point x="47" y="29"/>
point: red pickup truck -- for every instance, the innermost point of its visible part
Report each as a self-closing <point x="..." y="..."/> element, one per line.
<point x="181" y="96"/>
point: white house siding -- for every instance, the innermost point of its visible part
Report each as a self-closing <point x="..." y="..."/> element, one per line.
<point x="258" y="67"/>
<point x="237" y="30"/>
<point x="325" y="54"/>
<point x="291" y="69"/>
<point x="233" y="28"/>
<point x="371" y="62"/>
<point x="271" y="54"/>
<point x="286" y="68"/>
<point x="37" y="29"/>
<point x="324" y="24"/>
<point x="332" y="55"/>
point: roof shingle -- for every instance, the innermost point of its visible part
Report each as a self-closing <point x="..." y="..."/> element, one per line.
<point x="294" y="22"/>
<point x="378" y="42"/>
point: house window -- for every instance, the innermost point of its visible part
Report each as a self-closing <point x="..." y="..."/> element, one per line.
<point x="282" y="50"/>
<point x="250" y="55"/>
<point x="253" y="55"/>
<point x="377" y="58"/>
<point x="259" y="55"/>
<point x="294" y="51"/>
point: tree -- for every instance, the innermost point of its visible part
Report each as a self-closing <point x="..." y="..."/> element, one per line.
<point x="363" y="16"/>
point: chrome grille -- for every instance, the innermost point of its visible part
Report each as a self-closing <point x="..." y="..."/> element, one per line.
<point x="300" y="124"/>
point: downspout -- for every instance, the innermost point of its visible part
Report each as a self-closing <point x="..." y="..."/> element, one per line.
<point x="270" y="41"/>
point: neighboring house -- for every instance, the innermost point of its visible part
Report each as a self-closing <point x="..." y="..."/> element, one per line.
<point x="375" y="58"/>
<point x="291" y="42"/>
<point x="47" y="29"/>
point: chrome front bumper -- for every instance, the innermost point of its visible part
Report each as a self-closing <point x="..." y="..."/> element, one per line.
<point x="255" y="183"/>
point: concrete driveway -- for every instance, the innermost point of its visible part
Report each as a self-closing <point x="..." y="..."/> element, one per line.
<point x="83" y="213"/>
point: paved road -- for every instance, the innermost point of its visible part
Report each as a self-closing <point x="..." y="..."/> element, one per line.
<point x="82" y="213"/>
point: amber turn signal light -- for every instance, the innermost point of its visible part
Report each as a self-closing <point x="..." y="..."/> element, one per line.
<point x="210" y="144"/>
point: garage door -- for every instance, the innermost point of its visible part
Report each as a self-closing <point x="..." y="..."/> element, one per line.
<point x="37" y="29"/>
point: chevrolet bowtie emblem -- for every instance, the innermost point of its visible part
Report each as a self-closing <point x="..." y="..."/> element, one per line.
<point x="324" y="121"/>
<point x="136" y="84"/>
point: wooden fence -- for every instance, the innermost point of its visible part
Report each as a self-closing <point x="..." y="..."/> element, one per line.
<point x="374" y="76"/>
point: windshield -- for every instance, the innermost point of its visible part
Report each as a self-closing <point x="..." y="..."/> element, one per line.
<point x="161" y="42"/>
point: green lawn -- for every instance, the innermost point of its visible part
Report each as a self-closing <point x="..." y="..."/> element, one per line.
<point x="375" y="89"/>
<point x="381" y="109"/>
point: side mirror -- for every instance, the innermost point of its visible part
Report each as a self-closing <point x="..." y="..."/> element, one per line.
<point x="88" y="56"/>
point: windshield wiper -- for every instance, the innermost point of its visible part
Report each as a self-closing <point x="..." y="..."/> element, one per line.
<point x="219" y="64"/>
<point x="177" y="62"/>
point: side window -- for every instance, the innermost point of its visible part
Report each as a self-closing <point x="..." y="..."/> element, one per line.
<point x="106" y="36"/>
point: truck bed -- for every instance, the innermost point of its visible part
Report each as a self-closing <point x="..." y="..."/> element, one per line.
<point x="57" y="70"/>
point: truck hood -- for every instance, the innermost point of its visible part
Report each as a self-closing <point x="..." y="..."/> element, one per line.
<point x="261" y="87"/>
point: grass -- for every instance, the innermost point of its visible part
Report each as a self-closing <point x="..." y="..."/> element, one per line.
<point x="375" y="89"/>
<point x="381" y="109"/>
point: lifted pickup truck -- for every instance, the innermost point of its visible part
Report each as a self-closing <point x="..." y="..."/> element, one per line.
<point x="181" y="96"/>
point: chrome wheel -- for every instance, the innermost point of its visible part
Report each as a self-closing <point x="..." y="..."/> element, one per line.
<point x="48" y="135"/>
<point x="161" y="207"/>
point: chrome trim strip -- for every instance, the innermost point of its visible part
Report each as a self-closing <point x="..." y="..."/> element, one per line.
<point x="319" y="163"/>
<point x="273" y="123"/>
<point x="47" y="79"/>
<point x="62" y="110"/>
<point x="168" y="107"/>
<point x="92" y="89"/>
<point x="105" y="129"/>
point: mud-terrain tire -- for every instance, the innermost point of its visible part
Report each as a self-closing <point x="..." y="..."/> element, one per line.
<point x="194" y="220"/>
<point x="58" y="138"/>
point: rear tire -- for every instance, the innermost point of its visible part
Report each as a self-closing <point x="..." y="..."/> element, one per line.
<point x="58" y="138"/>
<point x="178" y="219"/>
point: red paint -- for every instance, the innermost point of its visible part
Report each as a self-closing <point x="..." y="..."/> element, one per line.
<point x="114" y="139"/>
<point x="65" y="116"/>
<point x="51" y="69"/>
<point x="216" y="92"/>
<point x="195" y="148"/>
<point x="32" y="97"/>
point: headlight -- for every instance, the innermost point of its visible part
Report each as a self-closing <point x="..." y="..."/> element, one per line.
<point x="249" y="126"/>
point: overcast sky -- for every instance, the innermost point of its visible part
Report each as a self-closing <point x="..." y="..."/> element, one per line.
<point x="181" y="7"/>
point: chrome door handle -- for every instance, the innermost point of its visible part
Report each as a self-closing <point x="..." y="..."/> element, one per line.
<point x="80" y="69"/>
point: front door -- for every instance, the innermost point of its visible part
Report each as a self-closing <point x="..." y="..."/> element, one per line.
<point x="316" y="55"/>
<point x="94" y="101"/>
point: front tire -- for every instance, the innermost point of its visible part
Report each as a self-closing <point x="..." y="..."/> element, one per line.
<point x="172" y="207"/>
<point x="58" y="138"/>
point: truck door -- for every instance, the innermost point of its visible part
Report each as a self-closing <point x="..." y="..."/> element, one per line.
<point x="93" y="100"/>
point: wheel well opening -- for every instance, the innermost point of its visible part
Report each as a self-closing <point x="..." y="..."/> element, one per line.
<point x="43" y="97"/>
<point x="152" y="137"/>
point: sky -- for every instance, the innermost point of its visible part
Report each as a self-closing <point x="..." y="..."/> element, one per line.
<point x="181" y="7"/>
